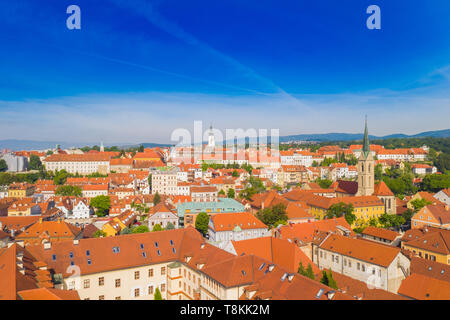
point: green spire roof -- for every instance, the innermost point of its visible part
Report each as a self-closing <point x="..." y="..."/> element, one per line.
<point x="366" y="145"/>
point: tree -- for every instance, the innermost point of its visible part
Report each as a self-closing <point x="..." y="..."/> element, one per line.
<point x="331" y="282"/>
<point x="49" y="152"/>
<point x="35" y="162"/>
<point x="274" y="215"/>
<point x="157" y="227"/>
<point x="436" y="182"/>
<point x="102" y="204"/>
<point x="141" y="229"/>
<point x="157" y="295"/>
<point x="231" y="193"/>
<point x="150" y="181"/>
<point x="391" y="220"/>
<point x="141" y="148"/>
<point x="99" y="234"/>
<point x="61" y="177"/>
<point x="68" y="190"/>
<point x="378" y="172"/>
<point x="310" y="273"/>
<point x="442" y="162"/>
<point x="3" y="165"/>
<point x="301" y="270"/>
<point x="419" y="204"/>
<point x="341" y="209"/>
<point x="254" y="186"/>
<point x="202" y="222"/>
<point x="221" y="192"/>
<point x="156" y="199"/>
<point x="324" y="279"/>
<point x="125" y="230"/>
<point x="170" y="226"/>
<point x="235" y="174"/>
<point x="324" y="183"/>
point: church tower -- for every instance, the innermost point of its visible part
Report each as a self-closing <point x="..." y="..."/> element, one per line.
<point x="102" y="148"/>
<point x="366" y="168"/>
<point x="211" y="139"/>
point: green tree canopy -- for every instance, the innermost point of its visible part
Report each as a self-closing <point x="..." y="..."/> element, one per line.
<point x="341" y="209"/>
<point x="141" y="229"/>
<point x="125" y="231"/>
<point x="3" y="165"/>
<point x="61" y="177"/>
<point x="231" y="193"/>
<point x="436" y="182"/>
<point x="170" y="226"/>
<point x="68" y="190"/>
<point x="99" y="234"/>
<point x="419" y="204"/>
<point x="102" y="204"/>
<point x="35" y="163"/>
<point x="254" y="186"/>
<point x="156" y="199"/>
<point x="157" y="295"/>
<point x="273" y="216"/>
<point x="201" y="223"/>
<point x="324" y="183"/>
<point x="157" y="227"/>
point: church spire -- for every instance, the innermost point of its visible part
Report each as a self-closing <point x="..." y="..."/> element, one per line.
<point x="366" y="145"/>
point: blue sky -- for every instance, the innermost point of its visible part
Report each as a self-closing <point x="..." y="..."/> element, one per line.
<point x="139" y="69"/>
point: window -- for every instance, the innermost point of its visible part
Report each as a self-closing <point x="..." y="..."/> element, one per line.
<point x="54" y="257"/>
<point x="150" y="290"/>
<point x="117" y="283"/>
<point x="86" y="283"/>
<point x="163" y="287"/>
<point x="163" y="271"/>
<point x="136" y="275"/>
<point x="150" y="272"/>
<point x="358" y="266"/>
<point x="71" y="255"/>
<point x="101" y="281"/>
<point x="118" y="298"/>
<point x="88" y="253"/>
<point x="136" y="292"/>
<point x="101" y="297"/>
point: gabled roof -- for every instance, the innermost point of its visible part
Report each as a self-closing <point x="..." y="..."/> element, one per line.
<point x="360" y="289"/>
<point x="243" y="220"/>
<point x="367" y="251"/>
<point x="430" y="268"/>
<point x="381" y="233"/>
<point x="48" y="294"/>
<point x="281" y="252"/>
<point x="381" y="189"/>
<point x="305" y="232"/>
<point x="438" y="242"/>
<point x="421" y="287"/>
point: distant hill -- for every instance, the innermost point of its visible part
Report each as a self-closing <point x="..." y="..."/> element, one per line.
<point x="16" y="145"/>
<point x="358" y="136"/>
<point x="321" y="137"/>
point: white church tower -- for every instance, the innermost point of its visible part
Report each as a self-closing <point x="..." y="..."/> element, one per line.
<point x="211" y="140"/>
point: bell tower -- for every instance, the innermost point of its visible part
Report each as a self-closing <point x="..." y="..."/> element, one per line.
<point x="366" y="168"/>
